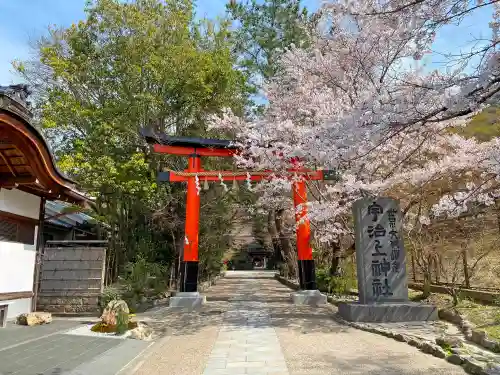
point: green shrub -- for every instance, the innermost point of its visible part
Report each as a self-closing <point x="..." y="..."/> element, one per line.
<point x="109" y="293"/>
<point x="132" y="300"/>
<point x="121" y="322"/>
<point x="143" y="278"/>
<point x="496" y="314"/>
<point x="141" y="275"/>
<point x="340" y="285"/>
<point x="323" y="279"/>
<point x="336" y="284"/>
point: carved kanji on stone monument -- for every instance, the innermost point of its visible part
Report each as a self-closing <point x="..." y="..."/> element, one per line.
<point x="380" y="255"/>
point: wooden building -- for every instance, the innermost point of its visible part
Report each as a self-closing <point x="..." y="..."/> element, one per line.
<point x="28" y="177"/>
<point x="61" y="225"/>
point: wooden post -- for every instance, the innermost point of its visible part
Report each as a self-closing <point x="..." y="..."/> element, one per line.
<point x="307" y="274"/>
<point x="189" y="268"/>
<point x="38" y="253"/>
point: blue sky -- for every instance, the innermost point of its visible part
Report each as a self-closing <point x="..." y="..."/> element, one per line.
<point x="23" y="21"/>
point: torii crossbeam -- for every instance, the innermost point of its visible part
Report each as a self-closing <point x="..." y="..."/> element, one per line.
<point x="194" y="149"/>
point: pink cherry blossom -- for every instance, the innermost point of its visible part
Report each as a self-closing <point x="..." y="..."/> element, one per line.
<point x="354" y="101"/>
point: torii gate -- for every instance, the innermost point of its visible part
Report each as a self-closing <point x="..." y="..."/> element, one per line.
<point x="194" y="149"/>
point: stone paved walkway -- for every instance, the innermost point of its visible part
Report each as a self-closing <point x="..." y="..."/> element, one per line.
<point x="249" y="326"/>
<point x="247" y="342"/>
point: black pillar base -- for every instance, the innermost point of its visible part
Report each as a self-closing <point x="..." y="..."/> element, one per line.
<point x="189" y="277"/>
<point x="301" y="275"/>
<point x="307" y="275"/>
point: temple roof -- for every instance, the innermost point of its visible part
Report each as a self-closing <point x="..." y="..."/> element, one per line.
<point x="55" y="213"/>
<point x="26" y="161"/>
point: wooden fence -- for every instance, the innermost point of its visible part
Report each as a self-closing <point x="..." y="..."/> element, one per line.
<point x="71" y="277"/>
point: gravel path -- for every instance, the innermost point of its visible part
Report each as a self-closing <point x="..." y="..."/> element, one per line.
<point x="223" y="338"/>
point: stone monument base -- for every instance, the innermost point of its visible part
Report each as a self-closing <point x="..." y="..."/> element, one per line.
<point x="387" y="312"/>
<point x="309" y="297"/>
<point x="187" y="300"/>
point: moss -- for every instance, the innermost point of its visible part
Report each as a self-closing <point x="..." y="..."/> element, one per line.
<point x="485" y="318"/>
<point x="105" y="328"/>
<point x="447" y="348"/>
<point x="493" y="332"/>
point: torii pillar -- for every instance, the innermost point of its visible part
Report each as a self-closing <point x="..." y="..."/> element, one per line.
<point x="307" y="273"/>
<point x="190" y="258"/>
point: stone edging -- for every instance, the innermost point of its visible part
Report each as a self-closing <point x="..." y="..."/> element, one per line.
<point x="470" y="365"/>
<point x="289" y="283"/>
<point x="207" y="284"/>
<point x="478" y="337"/>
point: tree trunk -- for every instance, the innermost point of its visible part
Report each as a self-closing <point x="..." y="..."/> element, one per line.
<point x="465" y="267"/>
<point x="427" y="284"/>
<point x="336" y="264"/>
<point x="286" y="246"/>
<point x="273" y="232"/>
<point x="497" y="209"/>
<point x="454" y="295"/>
<point x="171" y="280"/>
<point x="178" y="242"/>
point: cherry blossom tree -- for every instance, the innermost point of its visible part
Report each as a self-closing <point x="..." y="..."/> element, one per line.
<point x="355" y="101"/>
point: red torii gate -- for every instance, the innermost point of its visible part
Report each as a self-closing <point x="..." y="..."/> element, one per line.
<point x="194" y="149"/>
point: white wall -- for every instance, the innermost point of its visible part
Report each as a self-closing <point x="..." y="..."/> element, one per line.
<point x="17" y="307"/>
<point x="17" y="260"/>
<point x="20" y="203"/>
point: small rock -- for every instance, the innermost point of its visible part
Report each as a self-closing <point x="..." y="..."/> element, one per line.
<point x="466" y="325"/>
<point x="473" y="367"/>
<point x="450" y="315"/>
<point x="385" y="333"/>
<point x="400" y="337"/>
<point x="478" y="336"/>
<point x="415" y="343"/>
<point x="489" y="344"/>
<point x="435" y="350"/>
<point x="451" y="341"/>
<point x="493" y="370"/>
<point x="439" y="352"/>
<point x="455" y="359"/>
<point x="34" y="318"/>
<point x="427" y="348"/>
<point x="141" y="332"/>
<point x="480" y="358"/>
<point x="445" y="314"/>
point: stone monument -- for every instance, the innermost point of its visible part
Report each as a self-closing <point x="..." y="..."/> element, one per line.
<point x="381" y="267"/>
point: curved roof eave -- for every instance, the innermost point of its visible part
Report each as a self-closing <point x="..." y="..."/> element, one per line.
<point x="13" y="102"/>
